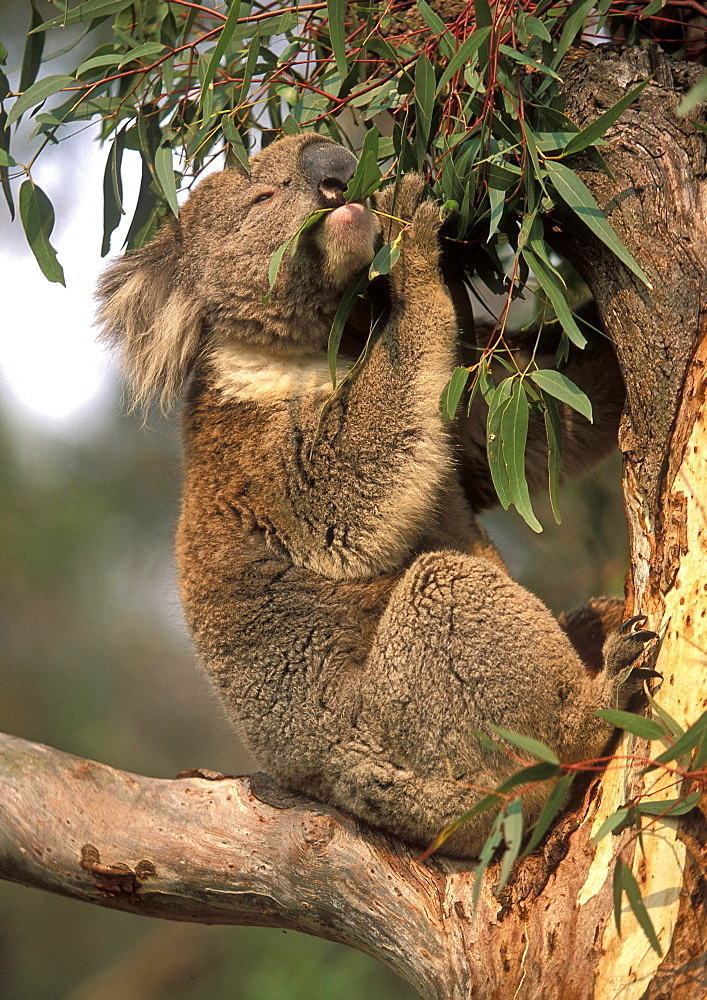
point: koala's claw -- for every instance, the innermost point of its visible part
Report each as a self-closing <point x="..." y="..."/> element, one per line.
<point x="628" y="625"/>
<point x="625" y="646"/>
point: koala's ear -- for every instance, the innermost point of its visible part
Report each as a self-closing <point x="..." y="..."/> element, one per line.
<point x="154" y="319"/>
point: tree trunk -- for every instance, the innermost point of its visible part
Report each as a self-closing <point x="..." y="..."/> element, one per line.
<point x="240" y="851"/>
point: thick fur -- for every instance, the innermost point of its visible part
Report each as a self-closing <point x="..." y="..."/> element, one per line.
<point x="354" y="617"/>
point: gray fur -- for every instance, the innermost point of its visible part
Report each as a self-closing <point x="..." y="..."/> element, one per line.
<point x="354" y="617"/>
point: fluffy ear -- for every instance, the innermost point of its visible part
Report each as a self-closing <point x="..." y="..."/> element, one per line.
<point x="144" y="310"/>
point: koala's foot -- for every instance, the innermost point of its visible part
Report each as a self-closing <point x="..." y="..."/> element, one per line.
<point x="625" y="645"/>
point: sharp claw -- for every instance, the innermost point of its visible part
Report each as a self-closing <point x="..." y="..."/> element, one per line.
<point x="644" y="636"/>
<point x="644" y="673"/>
<point x="628" y="625"/>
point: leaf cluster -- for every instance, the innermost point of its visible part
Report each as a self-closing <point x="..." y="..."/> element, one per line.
<point x="475" y="104"/>
<point x="682" y="763"/>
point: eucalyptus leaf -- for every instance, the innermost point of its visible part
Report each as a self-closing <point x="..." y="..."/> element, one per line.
<point x="647" y="729"/>
<point x="611" y="823"/>
<point x="577" y="196"/>
<point x="596" y="129"/>
<point x="555" y="801"/>
<point x="513" y="836"/>
<point x="165" y="174"/>
<point x="452" y="392"/>
<point x="32" y="55"/>
<point x="562" y="388"/>
<point x="37" y="93"/>
<point x="37" y="214"/>
<point x="529" y="744"/>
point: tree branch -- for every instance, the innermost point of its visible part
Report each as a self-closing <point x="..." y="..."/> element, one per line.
<point x="229" y="851"/>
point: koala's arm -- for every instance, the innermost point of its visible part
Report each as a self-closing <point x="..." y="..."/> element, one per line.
<point x="366" y="471"/>
<point x="596" y="372"/>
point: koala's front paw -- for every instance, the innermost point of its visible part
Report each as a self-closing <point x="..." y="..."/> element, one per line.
<point x="625" y="645"/>
<point x="399" y="203"/>
<point x="417" y="220"/>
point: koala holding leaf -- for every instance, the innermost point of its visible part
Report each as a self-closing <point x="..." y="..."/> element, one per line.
<point x="351" y="612"/>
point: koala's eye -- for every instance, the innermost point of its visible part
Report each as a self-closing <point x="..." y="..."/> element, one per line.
<point x="265" y="196"/>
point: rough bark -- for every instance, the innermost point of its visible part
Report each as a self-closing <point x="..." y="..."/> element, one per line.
<point x="238" y="851"/>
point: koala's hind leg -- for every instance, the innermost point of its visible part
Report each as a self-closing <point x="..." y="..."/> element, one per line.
<point x="462" y="647"/>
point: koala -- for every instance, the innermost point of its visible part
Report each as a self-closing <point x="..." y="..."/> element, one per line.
<point x="354" y="617"/>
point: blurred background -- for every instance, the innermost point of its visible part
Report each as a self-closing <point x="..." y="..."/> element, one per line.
<point x="94" y="656"/>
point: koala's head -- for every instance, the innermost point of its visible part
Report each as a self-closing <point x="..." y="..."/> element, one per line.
<point x="203" y="279"/>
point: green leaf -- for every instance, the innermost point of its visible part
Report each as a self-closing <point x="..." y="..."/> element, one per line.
<point x="348" y="300"/>
<point x="97" y="62"/>
<point x="32" y="56"/>
<point x="37" y="93"/>
<point x="555" y="801"/>
<point x="685" y="743"/>
<point x="336" y="10"/>
<point x="235" y="139"/>
<point x="671" y="726"/>
<point x="37" y="214"/>
<point x="85" y="11"/>
<point x="452" y="392"/>
<point x="514" y="434"/>
<point x="573" y="22"/>
<point x="112" y="190"/>
<point x="617" y="892"/>
<point x="491" y="845"/>
<point x="611" y="823"/>
<point x="529" y="744"/>
<point x="652" y="8"/>
<point x="6" y="160"/>
<point x="497" y="201"/>
<point x="141" y="223"/>
<point x="4" y="171"/>
<point x="499" y="474"/>
<point x="240" y="95"/>
<point x="528" y="775"/>
<point x="385" y="258"/>
<point x="647" y="729"/>
<point x="367" y="176"/>
<point x="145" y="51"/>
<point x="227" y="32"/>
<point x="513" y="836"/>
<point x="553" y="432"/>
<point x="535" y="27"/>
<point x="562" y="388"/>
<point x="670" y="807"/>
<point x="438" y="29"/>
<point x="462" y="57"/>
<point x="165" y="174"/>
<point x="424" y="95"/>
<point x="575" y="193"/>
<point x="635" y="900"/>
<point x="693" y="97"/>
<point x="596" y="129"/>
<point x="555" y="293"/>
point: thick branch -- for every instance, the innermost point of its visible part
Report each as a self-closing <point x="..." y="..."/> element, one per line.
<point x="231" y="851"/>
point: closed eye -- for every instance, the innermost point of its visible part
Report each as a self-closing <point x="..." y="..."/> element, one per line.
<point x="264" y="196"/>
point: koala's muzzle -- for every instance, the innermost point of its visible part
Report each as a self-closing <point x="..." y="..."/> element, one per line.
<point x="328" y="168"/>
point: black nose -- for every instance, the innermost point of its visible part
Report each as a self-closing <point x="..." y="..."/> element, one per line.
<point x="328" y="168"/>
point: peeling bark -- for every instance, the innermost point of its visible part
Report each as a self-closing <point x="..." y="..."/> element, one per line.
<point x="238" y="850"/>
